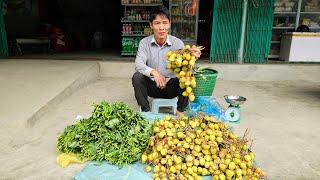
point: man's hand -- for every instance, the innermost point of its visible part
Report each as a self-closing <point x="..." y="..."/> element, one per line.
<point x="159" y="79"/>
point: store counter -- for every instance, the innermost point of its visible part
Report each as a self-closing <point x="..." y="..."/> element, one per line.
<point x="300" y="47"/>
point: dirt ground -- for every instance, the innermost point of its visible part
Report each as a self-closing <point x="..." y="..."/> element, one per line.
<point x="283" y="119"/>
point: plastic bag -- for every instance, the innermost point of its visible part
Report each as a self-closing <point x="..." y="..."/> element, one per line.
<point x="207" y="105"/>
<point x="105" y="171"/>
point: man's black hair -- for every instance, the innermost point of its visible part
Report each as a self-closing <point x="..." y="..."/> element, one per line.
<point x="162" y="11"/>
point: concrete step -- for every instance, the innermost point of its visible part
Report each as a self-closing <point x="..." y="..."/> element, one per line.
<point x="232" y="72"/>
<point x="30" y="87"/>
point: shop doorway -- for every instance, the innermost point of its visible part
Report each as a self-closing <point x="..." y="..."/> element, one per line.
<point x="62" y="26"/>
<point x="205" y="26"/>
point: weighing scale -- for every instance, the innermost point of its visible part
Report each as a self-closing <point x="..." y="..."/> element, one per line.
<point x="232" y="113"/>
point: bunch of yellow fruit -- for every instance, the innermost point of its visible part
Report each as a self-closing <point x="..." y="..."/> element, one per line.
<point x="182" y="62"/>
<point x="191" y="148"/>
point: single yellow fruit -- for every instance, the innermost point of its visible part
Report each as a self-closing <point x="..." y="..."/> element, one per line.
<point x="162" y="134"/>
<point x="189" y="90"/>
<point x="239" y="172"/>
<point x="177" y="70"/>
<point x="185" y="94"/>
<point x="148" y="169"/>
<point x="236" y="160"/>
<point x="180" y="135"/>
<point x="182" y="86"/>
<point x="184" y="55"/>
<point x="189" y="170"/>
<point x="247" y="157"/>
<point x="207" y="164"/>
<point x="185" y="63"/>
<point x="188" y="57"/>
<point x="184" y="166"/>
<point x="182" y="79"/>
<point x="178" y="160"/>
<point x="193" y="84"/>
<point x="186" y="145"/>
<point x="197" y="148"/>
<point x="178" y="61"/>
<point x="193" y="124"/>
<point x="243" y="165"/>
<point x="219" y="139"/>
<point x="229" y="173"/>
<point x="216" y="177"/>
<point x="232" y="165"/>
<point x="144" y="158"/>
<point x="188" y="139"/>
<point x="202" y="161"/>
<point x="163" y="152"/>
<point x="192" y="62"/>
<point x="156" y="129"/>
<point x="189" y="158"/>
<point x="196" y="162"/>
<point x="207" y="158"/>
<point x="222" y="177"/>
<point x="173" y="169"/>
<point x="191" y="97"/>
<point x="222" y="167"/>
<point x="187" y="83"/>
<point x="171" y="58"/>
<point x="185" y="69"/>
<point x="156" y="169"/>
<point x="252" y="156"/>
<point x="182" y="73"/>
<point x="163" y="161"/>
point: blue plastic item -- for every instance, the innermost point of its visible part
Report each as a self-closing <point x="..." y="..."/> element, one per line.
<point x="207" y="105"/>
<point x="105" y="171"/>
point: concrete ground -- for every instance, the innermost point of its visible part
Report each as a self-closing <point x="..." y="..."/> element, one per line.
<point x="40" y="98"/>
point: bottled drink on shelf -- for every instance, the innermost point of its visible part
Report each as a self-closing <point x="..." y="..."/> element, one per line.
<point x="123" y="28"/>
<point x="125" y="2"/>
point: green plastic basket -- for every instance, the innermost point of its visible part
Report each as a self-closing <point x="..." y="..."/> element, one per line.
<point x="206" y="80"/>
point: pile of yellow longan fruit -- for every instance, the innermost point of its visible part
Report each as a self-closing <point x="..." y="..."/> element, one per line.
<point x="189" y="148"/>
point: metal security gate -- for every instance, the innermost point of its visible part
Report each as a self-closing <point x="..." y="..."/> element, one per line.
<point x="3" y="36"/>
<point x="226" y="31"/>
<point x="241" y="31"/>
<point x="259" y="31"/>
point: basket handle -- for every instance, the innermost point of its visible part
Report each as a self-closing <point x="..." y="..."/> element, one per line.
<point x="201" y="69"/>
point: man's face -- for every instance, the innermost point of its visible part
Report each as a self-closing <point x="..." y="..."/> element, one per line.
<point x="160" y="26"/>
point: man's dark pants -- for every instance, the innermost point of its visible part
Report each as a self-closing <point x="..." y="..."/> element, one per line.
<point x="144" y="87"/>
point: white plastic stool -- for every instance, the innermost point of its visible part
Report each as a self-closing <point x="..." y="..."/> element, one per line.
<point x="157" y="103"/>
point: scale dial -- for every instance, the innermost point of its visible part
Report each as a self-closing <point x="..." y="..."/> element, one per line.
<point x="232" y="114"/>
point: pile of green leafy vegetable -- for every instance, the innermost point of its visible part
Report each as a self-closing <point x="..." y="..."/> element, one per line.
<point x="114" y="133"/>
